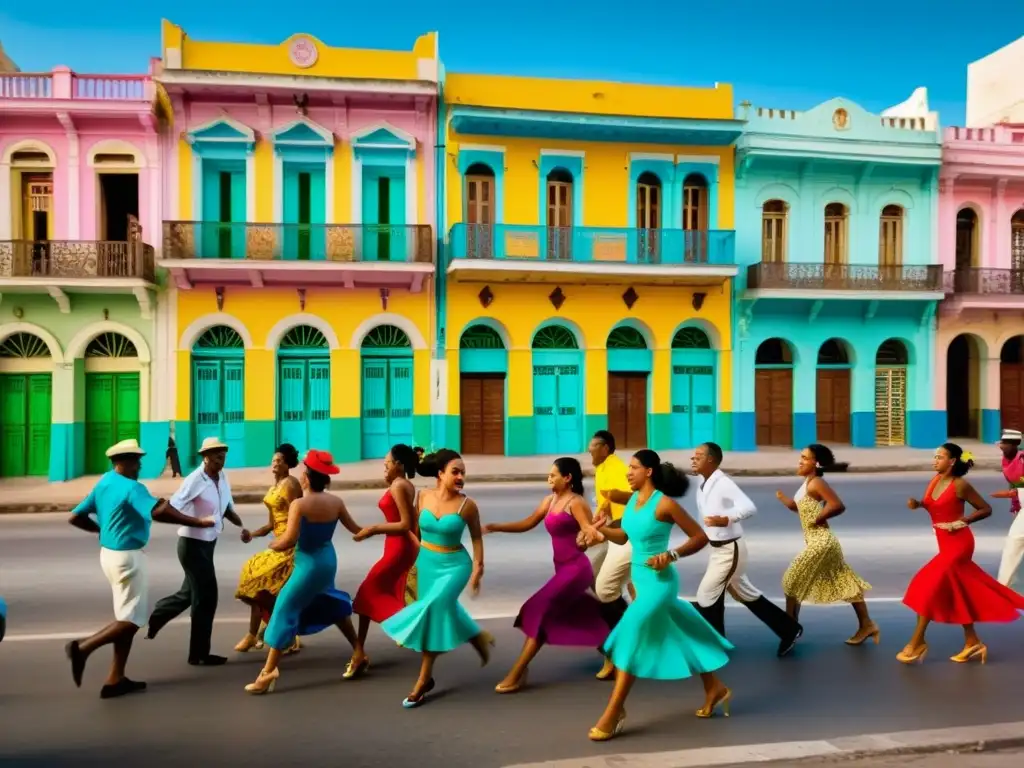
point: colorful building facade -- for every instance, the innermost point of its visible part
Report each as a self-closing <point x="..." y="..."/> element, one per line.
<point x="588" y="265"/>
<point x="979" y="372"/>
<point x="82" y="363"/>
<point x="835" y="305"/>
<point x="299" y="234"/>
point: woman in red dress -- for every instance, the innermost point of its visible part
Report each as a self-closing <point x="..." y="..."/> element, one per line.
<point x="382" y="593"/>
<point x="951" y="588"/>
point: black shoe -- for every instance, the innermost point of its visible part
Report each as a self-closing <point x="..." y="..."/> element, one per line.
<point x="209" y="660"/>
<point x="788" y="643"/>
<point x="77" y="658"/>
<point x="121" y="688"/>
<point x="152" y="630"/>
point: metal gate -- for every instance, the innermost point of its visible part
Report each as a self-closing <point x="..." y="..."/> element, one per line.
<point x="890" y="406"/>
<point x="218" y="390"/>
<point x="387" y="391"/>
<point x="304" y="389"/>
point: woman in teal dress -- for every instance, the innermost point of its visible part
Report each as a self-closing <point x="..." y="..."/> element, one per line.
<point x="309" y="602"/>
<point x="436" y="622"/>
<point x="659" y="637"/>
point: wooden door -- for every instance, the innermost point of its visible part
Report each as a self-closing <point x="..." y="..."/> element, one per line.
<point x="627" y="408"/>
<point x="479" y="216"/>
<point x="111" y="415"/>
<point x="559" y="219"/>
<point x="1011" y="394"/>
<point x="482" y="405"/>
<point x="773" y="404"/>
<point x="833" y="405"/>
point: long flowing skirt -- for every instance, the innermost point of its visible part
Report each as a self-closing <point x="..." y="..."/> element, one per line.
<point x="565" y="610"/>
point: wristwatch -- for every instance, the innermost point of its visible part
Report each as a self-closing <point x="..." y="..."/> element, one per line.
<point x="673" y="554"/>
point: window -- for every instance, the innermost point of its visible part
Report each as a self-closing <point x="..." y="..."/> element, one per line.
<point x="479" y="210"/>
<point x="773" y="231"/>
<point x="648" y="201"/>
<point x="836" y="219"/>
<point x="695" y="202"/>
<point x="1017" y="241"/>
<point x="559" y="214"/>
<point x="890" y="237"/>
<point x="966" y="238"/>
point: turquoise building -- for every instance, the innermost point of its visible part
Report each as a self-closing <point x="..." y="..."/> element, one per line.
<point x="835" y="301"/>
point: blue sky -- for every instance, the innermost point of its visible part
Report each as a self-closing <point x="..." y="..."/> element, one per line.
<point x="792" y="54"/>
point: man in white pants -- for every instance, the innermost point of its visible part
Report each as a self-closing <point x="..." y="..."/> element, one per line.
<point x="123" y="510"/>
<point x="722" y="507"/>
<point x="1013" y="472"/>
<point x="611" y="561"/>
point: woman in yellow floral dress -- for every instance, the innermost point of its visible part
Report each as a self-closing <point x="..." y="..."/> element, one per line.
<point x="819" y="574"/>
<point x="265" y="573"/>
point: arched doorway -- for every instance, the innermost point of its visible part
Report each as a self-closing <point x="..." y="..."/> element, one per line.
<point x="26" y="406"/>
<point x="891" y="362"/>
<point x="387" y="397"/>
<point x="218" y="390"/>
<point x="832" y="402"/>
<point x="629" y="370"/>
<point x="693" y="388"/>
<point x="1011" y="383"/>
<point x="304" y="389"/>
<point x="773" y="392"/>
<point x="483" y="366"/>
<point x="557" y="391"/>
<point x="111" y="397"/>
<point x="963" y="390"/>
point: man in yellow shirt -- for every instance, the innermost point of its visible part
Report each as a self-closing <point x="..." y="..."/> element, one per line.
<point x="611" y="561"/>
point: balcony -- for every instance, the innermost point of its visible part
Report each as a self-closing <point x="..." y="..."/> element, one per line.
<point x="983" y="288"/>
<point x="63" y="267"/>
<point x="536" y="254"/>
<point x="849" y="281"/>
<point x="298" y="255"/>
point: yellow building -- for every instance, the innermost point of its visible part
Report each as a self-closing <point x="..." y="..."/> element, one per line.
<point x="300" y="243"/>
<point x="588" y="263"/>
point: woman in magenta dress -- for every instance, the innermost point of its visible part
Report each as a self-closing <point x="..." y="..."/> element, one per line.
<point x="951" y="588"/>
<point x="382" y="593"/>
<point x="565" y="610"/>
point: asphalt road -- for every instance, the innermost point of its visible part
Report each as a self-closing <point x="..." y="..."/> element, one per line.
<point x="49" y="574"/>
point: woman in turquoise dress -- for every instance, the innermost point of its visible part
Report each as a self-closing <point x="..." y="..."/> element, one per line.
<point x="309" y="602"/>
<point x="436" y="622"/>
<point x="659" y="637"/>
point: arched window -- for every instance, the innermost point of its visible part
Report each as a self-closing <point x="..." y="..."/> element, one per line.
<point x="890" y="237"/>
<point x="836" y="236"/>
<point x="1017" y="241"/>
<point x="774" y="214"/>
<point x="559" y="214"/>
<point x="966" y="239"/>
<point x="695" y="202"/>
<point x="480" y="214"/>
<point x="648" y="201"/>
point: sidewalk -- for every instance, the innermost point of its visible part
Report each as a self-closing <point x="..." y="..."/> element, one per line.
<point x="23" y="495"/>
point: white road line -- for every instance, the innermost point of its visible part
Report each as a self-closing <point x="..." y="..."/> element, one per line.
<point x="66" y="635"/>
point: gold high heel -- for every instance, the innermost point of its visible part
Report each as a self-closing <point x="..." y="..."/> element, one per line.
<point x="515" y="687"/>
<point x="247" y="643"/>
<point x="596" y="734"/>
<point x="978" y="651"/>
<point x="483" y="647"/>
<point x="353" y="671"/>
<point x="265" y="682"/>
<point x="874" y="633"/>
<point x="908" y="655"/>
<point x="293" y="648"/>
<point x="607" y="671"/>
<point x="722" y="701"/>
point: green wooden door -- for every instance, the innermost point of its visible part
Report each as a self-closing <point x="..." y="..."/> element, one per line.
<point x="25" y="411"/>
<point x="111" y="415"/>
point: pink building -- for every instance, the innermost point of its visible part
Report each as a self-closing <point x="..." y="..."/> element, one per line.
<point x="980" y="375"/>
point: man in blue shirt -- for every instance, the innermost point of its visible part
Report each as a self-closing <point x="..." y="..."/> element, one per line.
<point x="120" y="510"/>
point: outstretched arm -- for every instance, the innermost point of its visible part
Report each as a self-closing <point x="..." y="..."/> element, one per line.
<point x="404" y="494"/>
<point x="524" y="525"/>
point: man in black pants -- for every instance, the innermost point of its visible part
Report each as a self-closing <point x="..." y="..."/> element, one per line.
<point x="721" y="506"/>
<point x="204" y="493"/>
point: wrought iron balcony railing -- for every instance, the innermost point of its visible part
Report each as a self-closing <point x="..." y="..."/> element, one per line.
<point x="659" y="247"/>
<point x="76" y="258"/>
<point x="983" y="281"/>
<point x="844" y="277"/>
<point x="410" y="243"/>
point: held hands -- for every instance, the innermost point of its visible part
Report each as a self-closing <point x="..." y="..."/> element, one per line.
<point x="581" y="540"/>
<point x="913" y="504"/>
<point x="488" y="529"/>
<point x="245" y="536"/>
<point x="716" y="521"/>
<point x="659" y="562"/>
<point x="364" y="534"/>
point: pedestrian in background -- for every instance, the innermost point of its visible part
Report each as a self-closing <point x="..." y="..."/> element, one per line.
<point x="1013" y="471"/>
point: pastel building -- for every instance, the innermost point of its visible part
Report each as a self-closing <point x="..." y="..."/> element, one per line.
<point x="588" y="265"/>
<point x="979" y="372"/>
<point x="836" y="219"/>
<point x="299" y="238"/>
<point x="81" y="358"/>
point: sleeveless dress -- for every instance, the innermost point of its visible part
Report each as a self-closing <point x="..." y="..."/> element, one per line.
<point x="382" y="593"/>
<point x="437" y="622"/>
<point x="819" y="574"/>
<point x="309" y="603"/>
<point x="660" y="637"/>
<point x="951" y="588"/>
<point x="565" y="610"/>
<point x="265" y="573"/>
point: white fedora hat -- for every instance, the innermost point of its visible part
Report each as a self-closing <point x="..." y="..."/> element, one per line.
<point x="125" y="448"/>
<point x="1011" y="435"/>
<point x="212" y="444"/>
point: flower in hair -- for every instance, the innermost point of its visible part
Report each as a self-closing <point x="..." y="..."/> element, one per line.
<point x="966" y="457"/>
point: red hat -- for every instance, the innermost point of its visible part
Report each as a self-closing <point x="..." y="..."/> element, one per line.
<point x="321" y="461"/>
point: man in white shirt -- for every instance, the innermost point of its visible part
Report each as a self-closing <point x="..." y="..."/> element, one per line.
<point x="204" y="493"/>
<point x="722" y="507"/>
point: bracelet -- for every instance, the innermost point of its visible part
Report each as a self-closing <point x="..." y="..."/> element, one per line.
<point x="674" y="555"/>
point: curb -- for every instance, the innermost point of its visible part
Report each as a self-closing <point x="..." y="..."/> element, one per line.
<point x="984" y="738"/>
<point x="254" y="495"/>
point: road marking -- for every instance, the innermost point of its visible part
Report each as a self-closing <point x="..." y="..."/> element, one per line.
<point x="495" y="616"/>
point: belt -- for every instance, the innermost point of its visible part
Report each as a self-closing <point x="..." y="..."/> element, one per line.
<point x="440" y="548"/>
<point x="723" y="543"/>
